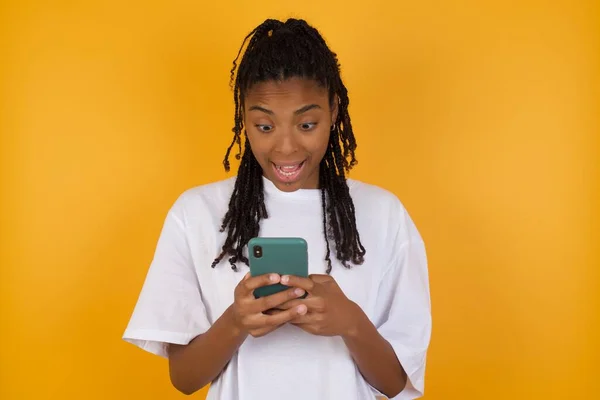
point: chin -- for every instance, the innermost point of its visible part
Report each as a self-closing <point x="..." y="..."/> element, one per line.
<point x="287" y="186"/>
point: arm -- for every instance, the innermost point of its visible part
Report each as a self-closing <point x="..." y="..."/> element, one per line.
<point x="331" y="313"/>
<point x="374" y="356"/>
<point x="195" y="365"/>
<point x="390" y="351"/>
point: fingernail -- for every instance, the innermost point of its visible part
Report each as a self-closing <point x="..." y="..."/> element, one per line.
<point x="299" y="292"/>
<point x="273" y="278"/>
<point x="301" y="309"/>
<point x="285" y="279"/>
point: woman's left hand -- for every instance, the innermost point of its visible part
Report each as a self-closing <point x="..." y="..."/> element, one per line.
<point x="330" y="312"/>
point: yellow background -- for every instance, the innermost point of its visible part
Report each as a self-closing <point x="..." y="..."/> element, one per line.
<point x="481" y="116"/>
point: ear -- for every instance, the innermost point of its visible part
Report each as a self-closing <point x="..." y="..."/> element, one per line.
<point x="334" y="108"/>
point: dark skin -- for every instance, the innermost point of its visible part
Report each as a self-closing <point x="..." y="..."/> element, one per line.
<point x="195" y="365"/>
<point x="331" y="313"/>
<point x="288" y="122"/>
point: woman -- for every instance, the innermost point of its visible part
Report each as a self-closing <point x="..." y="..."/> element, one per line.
<point x="363" y="329"/>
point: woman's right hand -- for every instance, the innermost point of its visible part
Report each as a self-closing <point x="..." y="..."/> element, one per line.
<point x="250" y="314"/>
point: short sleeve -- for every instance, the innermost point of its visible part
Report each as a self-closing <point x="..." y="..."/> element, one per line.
<point x="403" y="307"/>
<point x="169" y="308"/>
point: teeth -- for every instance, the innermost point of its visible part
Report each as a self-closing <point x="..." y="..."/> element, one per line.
<point x="288" y="170"/>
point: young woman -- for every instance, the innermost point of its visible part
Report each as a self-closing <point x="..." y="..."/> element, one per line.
<point x="364" y="327"/>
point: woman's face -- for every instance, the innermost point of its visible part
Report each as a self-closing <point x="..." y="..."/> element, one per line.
<point x="288" y="125"/>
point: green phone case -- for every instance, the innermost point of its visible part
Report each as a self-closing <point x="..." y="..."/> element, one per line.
<point x="284" y="256"/>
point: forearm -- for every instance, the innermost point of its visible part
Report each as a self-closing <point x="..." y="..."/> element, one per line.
<point x="375" y="357"/>
<point x="195" y="365"/>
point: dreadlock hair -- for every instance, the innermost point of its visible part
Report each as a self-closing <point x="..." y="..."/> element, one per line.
<point x="278" y="51"/>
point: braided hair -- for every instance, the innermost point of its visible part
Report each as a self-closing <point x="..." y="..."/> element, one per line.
<point x="278" y="51"/>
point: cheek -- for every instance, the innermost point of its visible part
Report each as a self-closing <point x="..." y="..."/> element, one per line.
<point x="320" y="145"/>
<point x="256" y="145"/>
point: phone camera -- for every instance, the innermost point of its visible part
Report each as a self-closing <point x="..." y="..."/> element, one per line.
<point x="258" y="251"/>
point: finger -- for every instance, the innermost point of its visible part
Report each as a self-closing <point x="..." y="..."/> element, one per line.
<point x="319" y="278"/>
<point x="312" y="303"/>
<point x="273" y="317"/>
<point x="273" y="311"/>
<point x="276" y="299"/>
<point x="255" y="282"/>
<point x="281" y="317"/>
<point x="305" y="319"/>
<point x="298" y="281"/>
<point x="291" y="303"/>
<point x="259" y="332"/>
<point x="265" y="330"/>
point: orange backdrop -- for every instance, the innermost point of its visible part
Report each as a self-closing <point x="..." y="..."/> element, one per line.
<point x="480" y="116"/>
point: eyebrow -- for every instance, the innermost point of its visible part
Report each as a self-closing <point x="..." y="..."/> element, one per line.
<point x="297" y="112"/>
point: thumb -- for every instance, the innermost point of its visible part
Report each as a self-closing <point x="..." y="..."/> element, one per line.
<point x="319" y="278"/>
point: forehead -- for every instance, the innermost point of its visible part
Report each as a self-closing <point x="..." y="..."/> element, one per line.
<point x="291" y="91"/>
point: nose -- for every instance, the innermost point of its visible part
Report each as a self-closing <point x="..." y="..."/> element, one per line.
<point x="286" y="143"/>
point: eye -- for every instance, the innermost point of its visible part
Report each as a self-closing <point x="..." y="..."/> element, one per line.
<point x="264" y="128"/>
<point x="308" y="126"/>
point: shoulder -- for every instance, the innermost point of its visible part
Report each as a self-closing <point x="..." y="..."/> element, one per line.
<point x="378" y="205"/>
<point x="367" y="195"/>
<point x="212" y="190"/>
<point x="209" y="197"/>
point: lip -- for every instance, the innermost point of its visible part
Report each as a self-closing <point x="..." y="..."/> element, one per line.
<point x="287" y="163"/>
<point x="288" y="178"/>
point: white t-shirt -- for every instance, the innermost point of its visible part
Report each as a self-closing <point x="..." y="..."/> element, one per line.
<point x="182" y="295"/>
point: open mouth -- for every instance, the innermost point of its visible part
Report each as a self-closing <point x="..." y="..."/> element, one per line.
<point x="288" y="172"/>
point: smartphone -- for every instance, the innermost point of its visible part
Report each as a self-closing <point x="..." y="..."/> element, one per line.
<point x="283" y="256"/>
